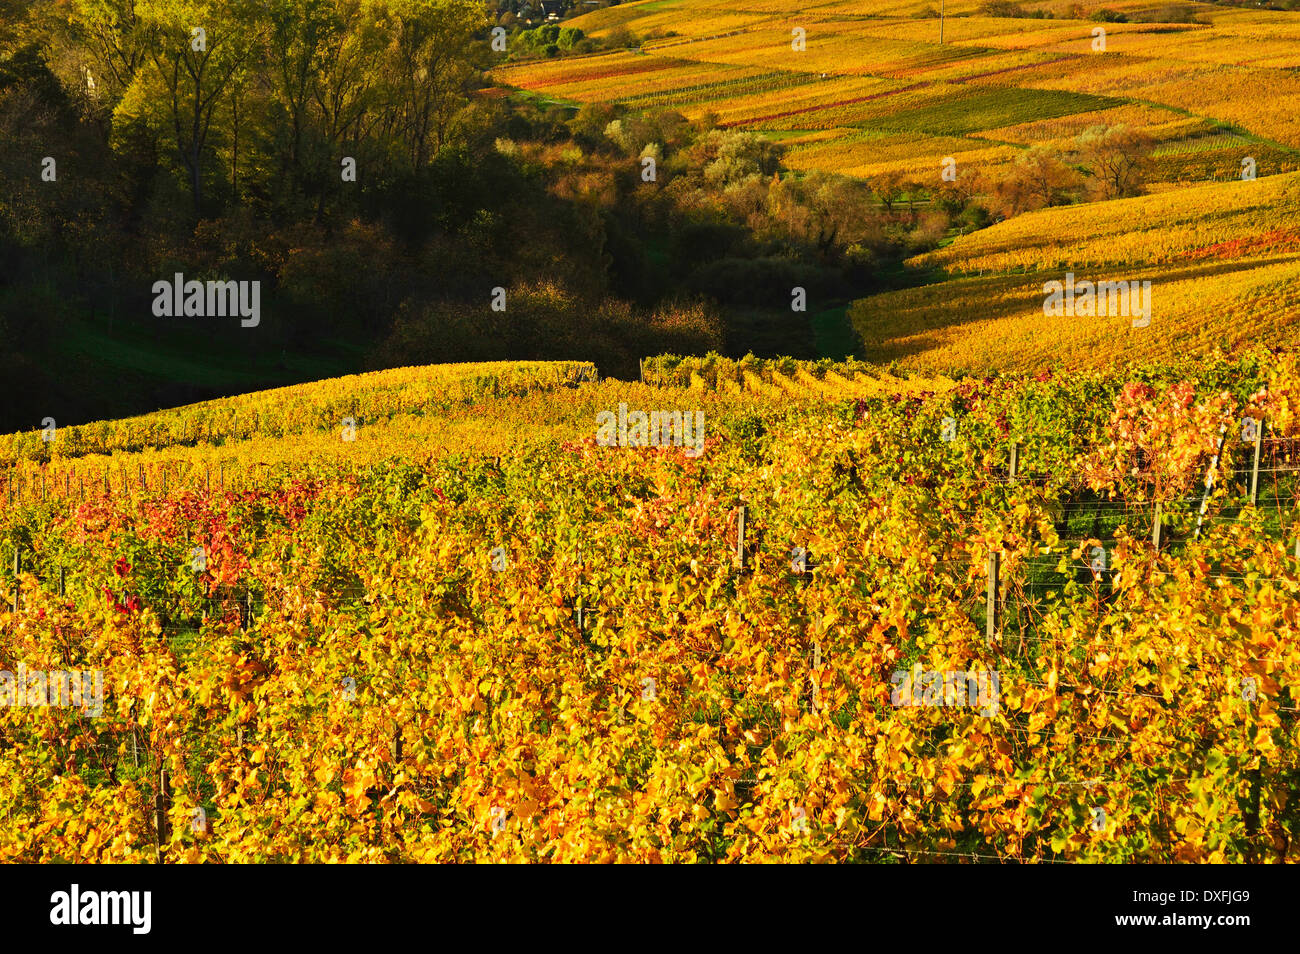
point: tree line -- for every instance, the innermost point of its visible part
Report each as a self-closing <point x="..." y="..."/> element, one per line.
<point x="355" y="157"/>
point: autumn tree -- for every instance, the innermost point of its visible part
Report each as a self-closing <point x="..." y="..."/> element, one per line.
<point x="345" y="97"/>
<point x="1047" y="178"/>
<point x="889" y="187"/>
<point x="194" y="51"/>
<point x="430" y="70"/>
<point x="1037" y="179"/>
<point x="1119" y="158"/>
<point x="741" y="155"/>
<point x="301" y="31"/>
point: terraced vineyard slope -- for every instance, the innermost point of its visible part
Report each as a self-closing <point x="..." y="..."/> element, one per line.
<point x="843" y="625"/>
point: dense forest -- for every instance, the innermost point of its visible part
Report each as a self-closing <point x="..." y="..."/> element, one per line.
<point x="355" y="159"/>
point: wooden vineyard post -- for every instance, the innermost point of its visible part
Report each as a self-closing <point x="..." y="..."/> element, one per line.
<point x="1015" y="461"/>
<point x="991" y="598"/>
<point x="740" y="538"/>
<point x="1254" y="468"/>
<point x="579" y="597"/>
<point x="1209" y="480"/>
<point x="1155" y="529"/>
<point x="816" y="701"/>
<point x="18" y="568"/>
<point x="160" y="805"/>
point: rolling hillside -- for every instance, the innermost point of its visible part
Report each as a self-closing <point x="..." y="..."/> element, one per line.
<point x="875" y="93"/>
<point x="1223" y="260"/>
<point x="875" y="77"/>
